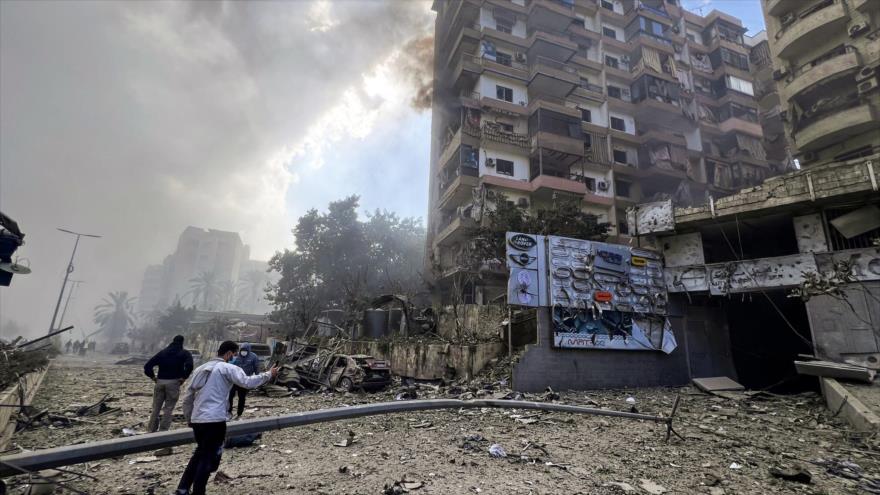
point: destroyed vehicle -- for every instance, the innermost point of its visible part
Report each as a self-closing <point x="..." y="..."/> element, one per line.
<point x="343" y="371"/>
<point x="120" y="348"/>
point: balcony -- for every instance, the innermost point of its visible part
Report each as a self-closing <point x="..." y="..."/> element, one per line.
<point x="552" y="77"/>
<point x="734" y="124"/>
<point x="550" y="15"/>
<point x="569" y="183"/>
<point x="779" y="7"/>
<point x="493" y="134"/>
<point x="544" y="140"/>
<point x="454" y="229"/>
<point x="801" y="35"/>
<point x="458" y="190"/>
<point x="837" y="126"/>
<point x="589" y="91"/>
<point x="831" y="68"/>
<point x="542" y="44"/>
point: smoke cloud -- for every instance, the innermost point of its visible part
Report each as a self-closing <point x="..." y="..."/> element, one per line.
<point x="136" y="119"/>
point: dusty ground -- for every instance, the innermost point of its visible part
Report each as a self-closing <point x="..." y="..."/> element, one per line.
<point x="752" y="435"/>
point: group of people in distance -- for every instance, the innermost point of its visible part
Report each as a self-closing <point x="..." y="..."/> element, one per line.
<point x="207" y="400"/>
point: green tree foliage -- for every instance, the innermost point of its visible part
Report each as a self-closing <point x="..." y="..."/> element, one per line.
<point x="564" y="217"/>
<point x="342" y="262"/>
<point x="115" y="315"/>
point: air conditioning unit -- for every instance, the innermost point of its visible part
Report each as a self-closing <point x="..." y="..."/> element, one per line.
<point x="602" y="185"/>
<point x="867" y="86"/>
<point x="490" y="162"/>
<point x="523" y="202"/>
<point x="865" y="73"/>
<point x="858" y="29"/>
<point x="520" y="57"/>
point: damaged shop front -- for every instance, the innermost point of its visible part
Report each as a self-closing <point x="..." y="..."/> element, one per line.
<point x="777" y="272"/>
<point x="603" y="315"/>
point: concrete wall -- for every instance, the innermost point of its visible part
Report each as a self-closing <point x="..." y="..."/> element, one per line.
<point x="425" y="361"/>
<point x="481" y="321"/>
<point x="23" y="392"/>
<point x="838" y="332"/>
<point x="703" y="351"/>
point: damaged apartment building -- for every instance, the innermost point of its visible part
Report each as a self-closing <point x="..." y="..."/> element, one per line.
<point x="791" y="266"/>
<point x="614" y="102"/>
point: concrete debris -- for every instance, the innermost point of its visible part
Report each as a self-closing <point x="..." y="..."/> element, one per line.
<point x="717" y="384"/>
<point x="796" y="474"/>
<point x="496" y="451"/>
<point x="447" y="451"/>
<point x="651" y="487"/>
<point x="835" y="370"/>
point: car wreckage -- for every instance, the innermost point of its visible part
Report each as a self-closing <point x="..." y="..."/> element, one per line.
<point x="337" y="371"/>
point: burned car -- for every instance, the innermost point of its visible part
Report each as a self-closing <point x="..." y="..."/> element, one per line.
<point x="344" y="371"/>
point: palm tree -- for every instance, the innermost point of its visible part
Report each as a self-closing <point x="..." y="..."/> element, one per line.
<point x="226" y="291"/>
<point x="205" y="286"/>
<point x="115" y="315"/>
<point x="250" y="289"/>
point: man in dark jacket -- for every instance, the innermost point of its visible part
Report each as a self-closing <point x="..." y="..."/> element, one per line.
<point x="250" y="363"/>
<point x="175" y="365"/>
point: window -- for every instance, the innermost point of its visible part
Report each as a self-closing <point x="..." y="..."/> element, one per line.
<point x="591" y="183"/>
<point x="621" y="188"/>
<point x="503" y="59"/>
<point x="614" y="92"/>
<point x="505" y="127"/>
<point x="618" y="124"/>
<point x="619" y="156"/>
<point x="504" y="167"/>
<point x="607" y="5"/>
<point x="503" y="93"/>
<point x="586" y="115"/>
<point x="612" y="61"/>
<point x="740" y="85"/>
<point x="503" y="26"/>
<point x="609" y="32"/>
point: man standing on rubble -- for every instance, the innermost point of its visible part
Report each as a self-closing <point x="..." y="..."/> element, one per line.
<point x="175" y="365"/>
<point x="250" y="363"/>
<point x="205" y="407"/>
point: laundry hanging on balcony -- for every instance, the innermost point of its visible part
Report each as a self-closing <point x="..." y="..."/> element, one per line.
<point x="487" y="50"/>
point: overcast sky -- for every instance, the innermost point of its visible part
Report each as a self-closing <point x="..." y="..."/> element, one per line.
<point x="134" y="120"/>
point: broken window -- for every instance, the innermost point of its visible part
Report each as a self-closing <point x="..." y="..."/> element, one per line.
<point x="504" y="167"/>
<point x="612" y="61"/>
<point x="618" y="124"/>
<point x="503" y="93"/>
<point x="620" y="156"/>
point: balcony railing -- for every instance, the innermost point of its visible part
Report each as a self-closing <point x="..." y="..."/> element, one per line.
<point x="660" y="12"/>
<point x="792" y="20"/>
<point x="837" y="52"/>
<point x="650" y="36"/>
<point x="591" y="87"/>
<point x="553" y="64"/>
<point x="449" y="177"/>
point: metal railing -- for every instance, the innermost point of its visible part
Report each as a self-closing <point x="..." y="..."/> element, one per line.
<point x="794" y="18"/>
<point x="837" y="52"/>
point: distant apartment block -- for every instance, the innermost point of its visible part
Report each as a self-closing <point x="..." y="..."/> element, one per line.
<point x="607" y="101"/>
<point x="825" y="56"/>
<point x="199" y="251"/>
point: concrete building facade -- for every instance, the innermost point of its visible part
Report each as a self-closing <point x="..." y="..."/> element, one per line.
<point x="825" y="58"/>
<point x="611" y="102"/>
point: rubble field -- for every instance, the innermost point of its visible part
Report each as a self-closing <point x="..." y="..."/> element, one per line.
<point x="746" y="443"/>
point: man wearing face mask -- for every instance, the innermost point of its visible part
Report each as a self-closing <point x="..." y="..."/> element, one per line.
<point x="205" y="409"/>
<point x="250" y="363"/>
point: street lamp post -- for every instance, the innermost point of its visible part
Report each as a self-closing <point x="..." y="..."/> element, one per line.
<point x="67" y="274"/>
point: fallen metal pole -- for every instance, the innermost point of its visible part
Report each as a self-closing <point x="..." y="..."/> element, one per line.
<point x="76" y="454"/>
<point x="44" y="337"/>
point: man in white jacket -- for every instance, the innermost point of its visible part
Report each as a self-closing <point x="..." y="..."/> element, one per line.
<point x="205" y="407"/>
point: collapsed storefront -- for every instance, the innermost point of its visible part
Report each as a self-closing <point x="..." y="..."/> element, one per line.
<point x="787" y="269"/>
